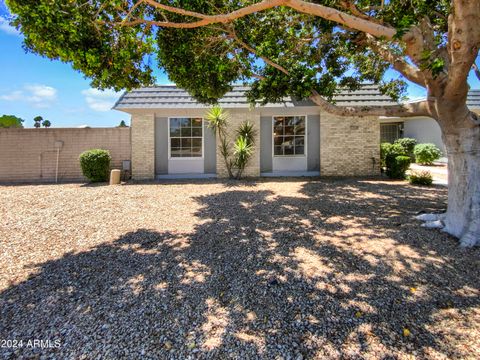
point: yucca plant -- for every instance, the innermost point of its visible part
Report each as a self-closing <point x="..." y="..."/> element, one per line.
<point x="243" y="145"/>
<point x="243" y="150"/>
<point x="247" y="131"/>
<point x="217" y="119"/>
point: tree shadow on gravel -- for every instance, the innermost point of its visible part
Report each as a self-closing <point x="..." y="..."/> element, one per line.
<point x="338" y="271"/>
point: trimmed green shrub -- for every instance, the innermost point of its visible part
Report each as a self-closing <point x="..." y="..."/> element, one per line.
<point x="95" y="164"/>
<point x="408" y="145"/>
<point x="426" y="154"/>
<point x="387" y="149"/>
<point x="421" y="178"/>
<point x="383" y="151"/>
<point x="397" y="165"/>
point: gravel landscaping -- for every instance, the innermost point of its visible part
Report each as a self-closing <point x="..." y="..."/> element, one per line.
<point x="272" y="269"/>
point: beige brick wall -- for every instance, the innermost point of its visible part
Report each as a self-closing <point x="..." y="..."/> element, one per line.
<point x="253" y="166"/>
<point x="143" y="146"/>
<point x="30" y="154"/>
<point x="347" y="146"/>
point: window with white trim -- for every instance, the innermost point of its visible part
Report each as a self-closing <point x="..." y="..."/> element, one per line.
<point x="186" y="137"/>
<point x="289" y="135"/>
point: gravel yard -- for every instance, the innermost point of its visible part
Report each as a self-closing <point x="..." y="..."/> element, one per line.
<point x="209" y="269"/>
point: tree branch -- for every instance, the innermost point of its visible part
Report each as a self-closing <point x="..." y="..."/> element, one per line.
<point x="250" y="49"/>
<point x="325" y="12"/>
<point x="398" y="63"/>
<point x="205" y="19"/>
<point x="463" y="45"/>
<point x="415" y="43"/>
<point x="130" y="12"/>
<point x="342" y="18"/>
<point x="356" y="12"/>
<point x="175" y="9"/>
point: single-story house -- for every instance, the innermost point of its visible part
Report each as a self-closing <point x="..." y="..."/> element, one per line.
<point x="424" y="129"/>
<point x="170" y="137"/>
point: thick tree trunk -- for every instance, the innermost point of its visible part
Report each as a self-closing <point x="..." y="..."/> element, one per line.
<point x="462" y="140"/>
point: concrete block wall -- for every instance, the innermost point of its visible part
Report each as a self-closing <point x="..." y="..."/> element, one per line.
<point x="143" y="146"/>
<point x="349" y="146"/>
<point x="30" y="154"/>
<point x="253" y="167"/>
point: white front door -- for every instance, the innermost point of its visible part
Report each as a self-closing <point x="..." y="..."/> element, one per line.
<point x="185" y="145"/>
<point x="289" y="143"/>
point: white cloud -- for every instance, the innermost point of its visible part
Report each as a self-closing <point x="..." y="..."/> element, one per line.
<point x="13" y="96"/>
<point x="98" y="100"/>
<point x="39" y="96"/>
<point x="41" y="93"/>
<point x="6" y="28"/>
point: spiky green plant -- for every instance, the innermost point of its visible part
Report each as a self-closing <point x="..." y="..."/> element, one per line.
<point x="243" y="145"/>
<point x="247" y="131"/>
<point x="242" y="150"/>
<point x="217" y="119"/>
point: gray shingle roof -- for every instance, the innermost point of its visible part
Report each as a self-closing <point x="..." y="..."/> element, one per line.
<point x="473" y="99"/>
<point x="171" y="97"/>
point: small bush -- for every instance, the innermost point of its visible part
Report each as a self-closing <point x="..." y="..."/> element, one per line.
<point x="397" y="166"/>
<point x="383" y="152"/>
<point x="426" y="154"/>
<point x="387" y="149"/>
<point x="421" y="178"/>
<point x="408" y="145"/>
<point x="95" y="164"/>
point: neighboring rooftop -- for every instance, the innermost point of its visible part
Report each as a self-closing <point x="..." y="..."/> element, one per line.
<point x="473" y="99"/>
<point x="171" y="97"/>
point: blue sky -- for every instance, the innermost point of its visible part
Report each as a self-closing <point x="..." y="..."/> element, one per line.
<point x="31" y="85"/>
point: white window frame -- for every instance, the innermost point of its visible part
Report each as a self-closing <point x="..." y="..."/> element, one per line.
<point x="306" y="137"/>
<point x="170" y="139"/>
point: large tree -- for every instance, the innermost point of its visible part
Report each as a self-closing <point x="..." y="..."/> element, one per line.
<point x="306" y="49"/>
<point x="10" y="121"/>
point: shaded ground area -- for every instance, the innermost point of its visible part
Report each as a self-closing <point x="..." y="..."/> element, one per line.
<point x="211" y="269"/>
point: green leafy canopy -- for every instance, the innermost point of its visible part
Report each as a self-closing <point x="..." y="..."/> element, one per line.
<point x="318" y="54"/>
<point x="10" y="121"/>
